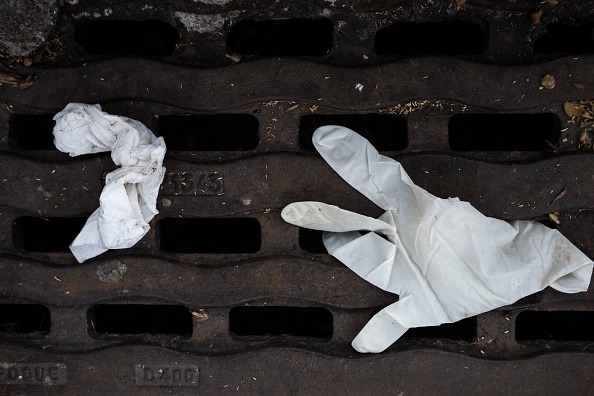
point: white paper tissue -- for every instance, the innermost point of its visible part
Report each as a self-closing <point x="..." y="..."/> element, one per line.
<point x="129" y="199"/>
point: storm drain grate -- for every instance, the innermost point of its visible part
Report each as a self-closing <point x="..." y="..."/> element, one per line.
<point x="223" y="295"/>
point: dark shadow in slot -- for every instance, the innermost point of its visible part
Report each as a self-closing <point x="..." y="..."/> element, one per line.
<point x="130" y="319"/>
<point x="314" y="322"/>
<point x="210" y="235"/>
<point x="46" y="234"/>
<point x="21" y="319"/>
<point x="219" y="132"/>
<point x="426" y="38"/>
<point x="462" y="330"/>
<point x="125" y="38"/>
<point x="386" y="132"/>
<point x="311" y="241"/>
<point x="287" y="37"/>
<point x="32" y="131"/>
<point x="562" y="38"/>
<point x="503" y="132"/>
<point x="555" y="325"/>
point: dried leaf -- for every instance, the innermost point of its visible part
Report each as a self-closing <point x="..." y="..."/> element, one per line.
<point x="6" y="78"/>
<point x="535" y="17"/>
<point x="460" y="4"/>
<point x="586" y="140"/>
<point x="572" y="110"/>
<point x="38" y="56"/>
<point x="579" y="85"/>
<point x="27" y="61"/>
<point x="25" y="85"/>
<point x="548" y="81"/>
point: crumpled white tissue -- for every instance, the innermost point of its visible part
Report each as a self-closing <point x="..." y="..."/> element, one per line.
<point x="129" y="199"/>
<point x="445" y="259"/>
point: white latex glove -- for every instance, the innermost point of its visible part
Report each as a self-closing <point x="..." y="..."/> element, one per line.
<point x="445" y="259"/>
<point x="129" y="199"/>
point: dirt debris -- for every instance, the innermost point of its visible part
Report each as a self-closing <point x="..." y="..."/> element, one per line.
<point x="581" y="113"/>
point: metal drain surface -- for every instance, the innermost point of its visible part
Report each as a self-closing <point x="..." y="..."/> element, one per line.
<point x="222" y="295"/>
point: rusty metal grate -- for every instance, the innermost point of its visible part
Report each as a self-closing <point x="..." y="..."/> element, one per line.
<point x="221" y="294"/>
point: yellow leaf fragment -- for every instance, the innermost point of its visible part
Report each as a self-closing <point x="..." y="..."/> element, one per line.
<point x="201" y="314"/>
<point x="548" y="81"/>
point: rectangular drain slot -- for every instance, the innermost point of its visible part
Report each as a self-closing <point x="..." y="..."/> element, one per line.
<point x="287" y="37"/>
<point x="448" y="38"/>
<point x="561" y="38"/>
<point x="463" y="330"/>
<point x="386" y="132"/>
<point x="17" y="319"/>
<point x="555" y="326"/>
<point x="503" y="132"/>
<point x="131" y="319"/>
<point x="315" y="322"/>
<point x="311" y="241"/>
<point x="46" y="234"/>
<point x="220" y="132"/>
<point x="120" y="37"/>
<point x="32" y="131"/>
<point x="210" y="235"/>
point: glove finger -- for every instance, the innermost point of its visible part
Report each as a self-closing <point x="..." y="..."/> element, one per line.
<point x="380" y="332"/>
<point x="379" y="178"/>
<point x="321" y="216"/>
<point x="369" y="256"/>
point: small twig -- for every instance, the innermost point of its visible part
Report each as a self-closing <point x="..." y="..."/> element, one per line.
<point x="558" y="197"/>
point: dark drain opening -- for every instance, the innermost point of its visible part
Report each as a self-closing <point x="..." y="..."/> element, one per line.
<point x="312" y="322"/>
<point x="555" y="325"/>
<point x="448" y="38"/>
<point x="210" y="235"/>
<point x="561" y="38"/>
<point x="24" y="318"/>
<point x="32" y="132"/>
<point x="141" y="38"/>
<point x="463" y="330"/>
<point x="288" y="37"/>
<point x="503" y="132"/>
<point x="122" y="319"/>
<point x="221" y="132"/>
<point x="548" y="223"/>
<point x="387" y="132"/>
<point x="311" y="241"/>
<point x="46" y="234"/>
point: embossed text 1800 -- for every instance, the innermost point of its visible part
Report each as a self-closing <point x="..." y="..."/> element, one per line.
<point x="167" y="375"/>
